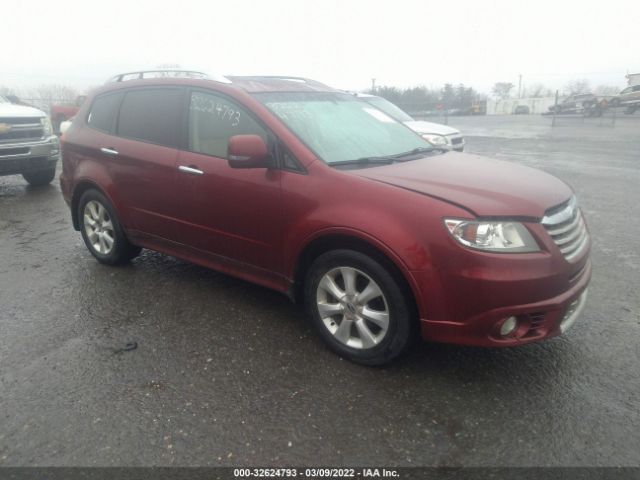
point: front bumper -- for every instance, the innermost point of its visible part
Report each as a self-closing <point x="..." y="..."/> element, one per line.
<point x="28" y="157"/>
<point x="455" y="142"/>
<point x="536" y="321"/>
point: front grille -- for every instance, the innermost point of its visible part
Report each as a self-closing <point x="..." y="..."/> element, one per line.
<point x="567" y="229"/>
<point x="20" y="129"/>
<point x="536" y="319"/>
<point x="5" y="152"/>
<point x="22" y="135"/>
<point x="456" y="141"/>
<point x="20" y="120"/>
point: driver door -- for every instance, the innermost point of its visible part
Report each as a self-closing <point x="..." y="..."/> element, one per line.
<point x="232" y="214"/>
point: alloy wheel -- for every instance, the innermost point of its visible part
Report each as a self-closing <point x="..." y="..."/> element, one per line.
<point x="353" y="307"/>
<point x="98" y="227"/>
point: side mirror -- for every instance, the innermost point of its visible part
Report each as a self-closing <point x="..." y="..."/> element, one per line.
<point x="247" y="151"/>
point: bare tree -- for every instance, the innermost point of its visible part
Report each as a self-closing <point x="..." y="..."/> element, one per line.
<point x="538" y="90"/>
<point x="502" y="89"/>
<point x="577" y="86"/>
<point x="56" y="93"/>
<point x="606" y="90"/>
<point x="7" y="92"/>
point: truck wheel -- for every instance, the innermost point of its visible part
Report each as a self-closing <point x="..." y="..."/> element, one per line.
<point x="38" y="179"/>
<point x="358" y="307"/>
<point x="101" y="231"/>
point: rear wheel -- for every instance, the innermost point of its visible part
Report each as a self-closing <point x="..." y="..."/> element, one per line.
<point x="40" y="178"/>
<point x="101" y="231"/>
<point x="359" y="307"/>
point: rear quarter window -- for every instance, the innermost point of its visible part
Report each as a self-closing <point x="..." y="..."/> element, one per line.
<point x="151" y="115"/>
<point x="103" y="112"/>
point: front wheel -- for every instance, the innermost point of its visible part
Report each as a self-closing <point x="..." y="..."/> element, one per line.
<point x="101" y="231"/>
<point x="359" y="307"/>
<point x="40" y="178"/>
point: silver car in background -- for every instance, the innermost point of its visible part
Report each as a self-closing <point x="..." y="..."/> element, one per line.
<point x="441" y="136"/>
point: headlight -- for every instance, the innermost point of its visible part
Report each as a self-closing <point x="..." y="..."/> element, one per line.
<point x="505" y="237"/>
<point x="46" y="126"/>
<point x="437" y="140"/>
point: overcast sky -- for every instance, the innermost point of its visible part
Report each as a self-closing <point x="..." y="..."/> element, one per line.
<point x="342" y="43"/>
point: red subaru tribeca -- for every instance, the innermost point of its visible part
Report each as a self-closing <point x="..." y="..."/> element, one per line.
<point x="304" y="189"/>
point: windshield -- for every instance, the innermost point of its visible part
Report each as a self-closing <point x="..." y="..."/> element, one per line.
<point x="389" y="108"/>
<point x="339" y="127"/>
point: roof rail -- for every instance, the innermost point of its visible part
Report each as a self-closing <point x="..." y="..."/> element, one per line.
<point x="169" y="73"/>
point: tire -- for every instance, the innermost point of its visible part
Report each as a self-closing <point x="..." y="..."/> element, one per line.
<point x="101" y="230"/>
<point x="361" y="340"/>
<point x="40" y="178"/>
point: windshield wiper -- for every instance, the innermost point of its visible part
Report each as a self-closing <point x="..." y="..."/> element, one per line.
<point x="387" y="159"/>
<point x="411" y="153"/>
<point x="367" y="161"/>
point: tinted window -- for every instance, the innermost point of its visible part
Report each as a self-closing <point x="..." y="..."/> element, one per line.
<point x="213" y="119"/>
<point x="103" y="112"/>
<point x="151" y="115"/>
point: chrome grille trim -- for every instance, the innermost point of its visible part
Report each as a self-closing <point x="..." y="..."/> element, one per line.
<point x="573" y="311"/>
<point x="22" y="129"/>
<point x="567" y="229"/>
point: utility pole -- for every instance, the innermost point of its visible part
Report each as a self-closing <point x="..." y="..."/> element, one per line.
<point x="373" y="85"/>
<point x="520" y="86"/>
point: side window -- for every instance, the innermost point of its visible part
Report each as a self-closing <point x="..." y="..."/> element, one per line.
<point x="288" y="161"/>
<point x="636" y="88"/>
<point x="103" y="112"/>
<point x="213" y="119"/>
<point x="151" y="115"/>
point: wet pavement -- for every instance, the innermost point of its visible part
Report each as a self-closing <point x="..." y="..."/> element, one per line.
<point x="225" y="373"/>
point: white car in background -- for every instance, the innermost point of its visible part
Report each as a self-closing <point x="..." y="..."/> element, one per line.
<point x="441" y="136"/>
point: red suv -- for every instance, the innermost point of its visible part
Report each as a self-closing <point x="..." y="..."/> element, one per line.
<point x="310" y="191"/>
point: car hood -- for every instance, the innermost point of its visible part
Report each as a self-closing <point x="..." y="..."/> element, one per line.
<point x="483" y="186"/>
<point x="11" y="110"/>
<point x="428" y="127"/>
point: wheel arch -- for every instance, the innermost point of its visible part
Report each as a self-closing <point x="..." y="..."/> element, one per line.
<point x="78" y="191"/>
<point x="348" y="241"/>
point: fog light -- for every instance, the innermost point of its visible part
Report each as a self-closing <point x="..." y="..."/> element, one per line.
<point x="508" y="326"/>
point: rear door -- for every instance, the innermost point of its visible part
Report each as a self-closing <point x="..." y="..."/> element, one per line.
<point x="143" y="158"/>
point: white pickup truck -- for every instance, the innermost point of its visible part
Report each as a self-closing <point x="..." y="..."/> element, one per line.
<point x="28" y="146"/>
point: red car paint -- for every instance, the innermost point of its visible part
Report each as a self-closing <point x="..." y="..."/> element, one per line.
<point x="60" y="112"/>
<point x="257" y="224"/>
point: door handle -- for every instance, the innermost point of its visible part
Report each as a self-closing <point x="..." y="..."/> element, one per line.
<point x="190" y="170"/>
<point x="109" y="151"/>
